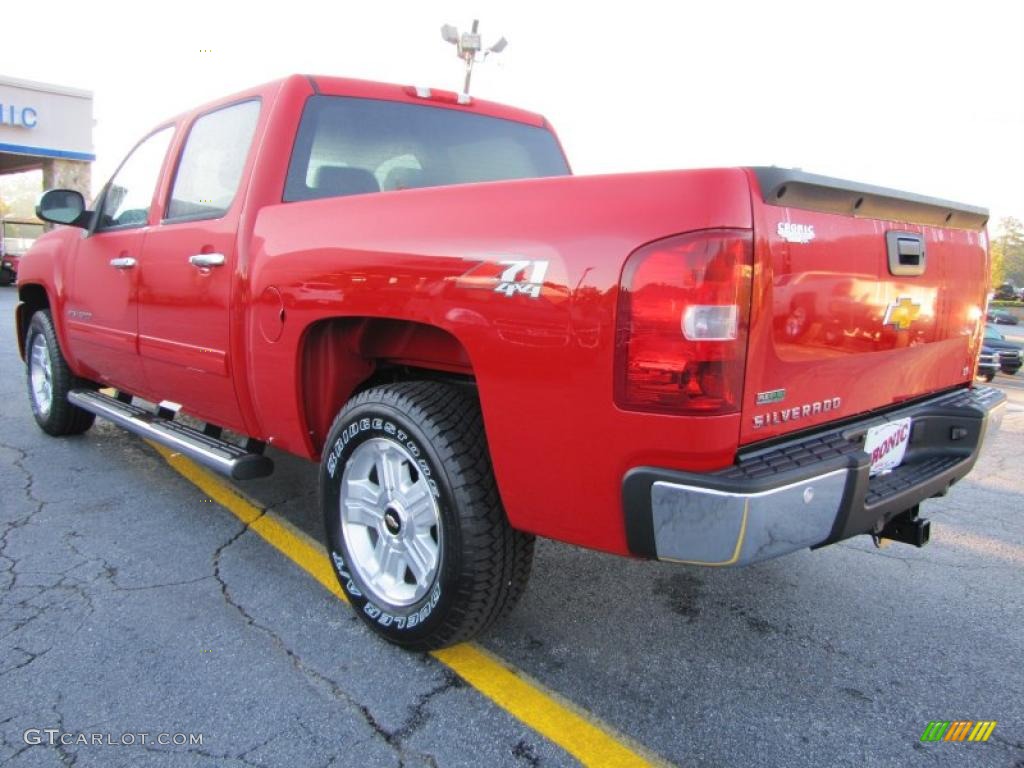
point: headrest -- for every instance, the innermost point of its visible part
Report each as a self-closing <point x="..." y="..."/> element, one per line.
<point x="338" y="180"/>
<point x="404" y="178"/>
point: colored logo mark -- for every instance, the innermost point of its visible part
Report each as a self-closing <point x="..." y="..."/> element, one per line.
<point x="901" y="313"/>
<point x="958" y="730"/>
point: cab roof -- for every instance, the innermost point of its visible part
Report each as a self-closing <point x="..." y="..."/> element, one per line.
<point x="369" y="89"/>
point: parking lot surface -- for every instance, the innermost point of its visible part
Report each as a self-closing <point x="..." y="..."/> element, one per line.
<point x="134" y="601"/>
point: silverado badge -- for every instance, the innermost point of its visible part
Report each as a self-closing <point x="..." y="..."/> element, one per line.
<point x="901" y="313"/>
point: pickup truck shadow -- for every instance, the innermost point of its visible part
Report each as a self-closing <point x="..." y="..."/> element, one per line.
<point x="846" y="634"/>
<point x="849" y="633"/>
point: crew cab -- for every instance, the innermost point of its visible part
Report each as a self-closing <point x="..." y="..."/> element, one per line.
<point x="711" y="367"/>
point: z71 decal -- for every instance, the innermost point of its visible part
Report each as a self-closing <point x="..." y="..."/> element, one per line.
<point x="509" y="277"/>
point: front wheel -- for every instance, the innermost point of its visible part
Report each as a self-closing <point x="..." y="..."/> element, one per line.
<point x="50" y="379"/>
<point x="415" y="528"/>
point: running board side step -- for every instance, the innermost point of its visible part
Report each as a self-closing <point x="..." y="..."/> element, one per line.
<point x="213" y="453"/>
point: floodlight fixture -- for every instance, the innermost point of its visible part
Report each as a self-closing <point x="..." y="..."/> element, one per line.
<point x="450" y="34"/>
<point x="469" y="47"/>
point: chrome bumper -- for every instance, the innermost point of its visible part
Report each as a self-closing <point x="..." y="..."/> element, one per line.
<point x="807" y="492"/>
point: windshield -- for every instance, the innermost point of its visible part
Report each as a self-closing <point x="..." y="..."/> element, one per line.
<point x="992" y="333"/>
<point x="350" y="146"/>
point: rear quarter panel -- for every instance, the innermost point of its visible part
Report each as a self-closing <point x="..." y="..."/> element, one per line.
<point x="543" y="365"/>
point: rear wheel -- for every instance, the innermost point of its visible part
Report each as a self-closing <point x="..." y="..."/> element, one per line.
<point x="415" y="528"/>
<point x="50" y="379"/>
<point x="7" y="276"/>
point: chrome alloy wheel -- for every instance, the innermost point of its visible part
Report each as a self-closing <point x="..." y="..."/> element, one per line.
<point x="41" y="374"/>
<point x="390" y="522"/>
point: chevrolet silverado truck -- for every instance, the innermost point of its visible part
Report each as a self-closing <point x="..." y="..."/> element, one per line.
<point x="711" y="367"/>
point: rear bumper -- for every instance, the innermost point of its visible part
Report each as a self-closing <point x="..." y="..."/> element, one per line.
<point x="807" y="492"/>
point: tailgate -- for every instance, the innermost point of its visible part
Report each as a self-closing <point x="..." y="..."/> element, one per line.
<point x="863" y="298"/>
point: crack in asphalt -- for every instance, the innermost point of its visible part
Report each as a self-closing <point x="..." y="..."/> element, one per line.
<point x="200" y="752"/>
<point x="909" y="562"/>
<point x="109" y="572"/>
<point x="1013" y="746"/>
<point x="31" y="657"/>
<point x="13" y="525"/>
<point x="67" y="757"/>
<point x="395" y="738"/>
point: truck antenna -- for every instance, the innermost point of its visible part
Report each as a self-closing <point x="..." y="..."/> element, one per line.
<point x="469" y="48"/>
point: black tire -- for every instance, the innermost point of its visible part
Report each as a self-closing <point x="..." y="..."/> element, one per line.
<point x="482" y="564"/>
<point x="988" y="376"/>
<point x="7" y="276"/>
<point x="61" y="418"/>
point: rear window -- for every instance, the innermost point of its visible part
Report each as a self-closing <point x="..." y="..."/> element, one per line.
<point x="349" y="146"/>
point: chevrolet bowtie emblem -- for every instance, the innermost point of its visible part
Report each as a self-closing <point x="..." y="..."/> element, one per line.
<point x="901" y="313"/>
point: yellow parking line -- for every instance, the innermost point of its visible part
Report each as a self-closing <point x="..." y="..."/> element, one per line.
<point x="577" y="732"/>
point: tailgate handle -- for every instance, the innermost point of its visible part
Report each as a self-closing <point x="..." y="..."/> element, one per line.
<point x="906" y="253"/>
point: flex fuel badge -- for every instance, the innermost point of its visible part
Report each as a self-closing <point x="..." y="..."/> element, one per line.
<point x="771" y="396"/>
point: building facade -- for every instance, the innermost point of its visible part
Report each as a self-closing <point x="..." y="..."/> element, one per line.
<point x="47" y="127"/>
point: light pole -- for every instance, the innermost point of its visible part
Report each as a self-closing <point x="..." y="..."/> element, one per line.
<point x="469" y="47"/>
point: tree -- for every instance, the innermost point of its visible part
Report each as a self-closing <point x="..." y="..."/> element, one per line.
<point x="1007" y="252"/>
<point x="18" y="194"/>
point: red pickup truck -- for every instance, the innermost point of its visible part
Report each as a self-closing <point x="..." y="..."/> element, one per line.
<point x="711" y="367"/>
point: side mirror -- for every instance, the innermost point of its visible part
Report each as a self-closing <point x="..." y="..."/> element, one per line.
<point x="63" y="206"/>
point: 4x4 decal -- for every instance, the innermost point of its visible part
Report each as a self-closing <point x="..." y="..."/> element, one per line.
<point x="509" y="277"/>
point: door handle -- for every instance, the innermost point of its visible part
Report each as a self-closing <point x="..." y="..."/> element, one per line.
<point x="906" y="253"/>
<point x="122" y="262"/>
<point x="207" y="260"/>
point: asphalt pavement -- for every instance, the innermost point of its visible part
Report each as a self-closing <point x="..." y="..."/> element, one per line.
<point x="132" y="603"/>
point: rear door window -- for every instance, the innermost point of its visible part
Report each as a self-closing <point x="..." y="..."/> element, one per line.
<point x="212" y="162"/>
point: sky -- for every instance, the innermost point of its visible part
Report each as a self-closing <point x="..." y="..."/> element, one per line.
<point x="922" y="96"/>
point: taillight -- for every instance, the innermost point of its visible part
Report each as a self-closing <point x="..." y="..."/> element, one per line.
<point x="681" y="324"/>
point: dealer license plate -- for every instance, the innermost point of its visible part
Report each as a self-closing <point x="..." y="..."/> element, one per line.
<point x="887" y="444"/>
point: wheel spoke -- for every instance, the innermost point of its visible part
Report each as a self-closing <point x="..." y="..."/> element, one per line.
<point x="363" y="504"/>
<point x="379" y="551"/>
<point x="389" y="471"/>
<point x="364" y="491"/>
<point x="358" y="512"/>
<point x="419" y="506"/>
<point x="421" y="556"/>
<point x="393" y="564"/>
